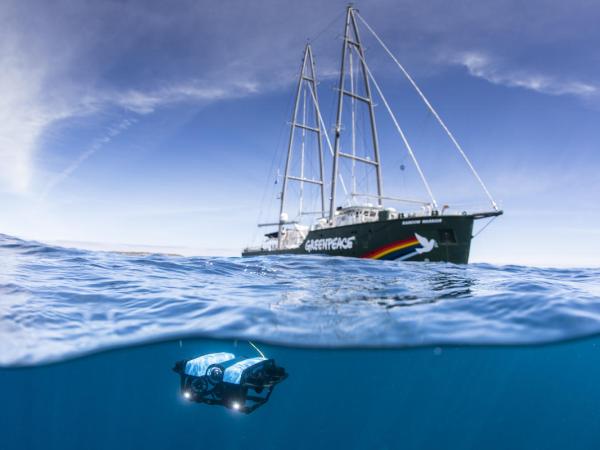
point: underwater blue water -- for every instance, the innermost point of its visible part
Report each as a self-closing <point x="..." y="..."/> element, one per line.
<point x="422" y="398"/>
<point x="380" y="355"/>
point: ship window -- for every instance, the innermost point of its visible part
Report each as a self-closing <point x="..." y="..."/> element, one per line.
<point x="447" y="236"/>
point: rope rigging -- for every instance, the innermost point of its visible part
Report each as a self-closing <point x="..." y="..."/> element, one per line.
<point x="400" y="132"/>
<point x="431" y="108"/>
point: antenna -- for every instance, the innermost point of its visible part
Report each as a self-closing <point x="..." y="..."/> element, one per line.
<point x="306" y="81"/>
<point x="352" y="43"/>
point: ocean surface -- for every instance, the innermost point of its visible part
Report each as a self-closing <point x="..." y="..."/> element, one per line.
<point x="380" y="355"/>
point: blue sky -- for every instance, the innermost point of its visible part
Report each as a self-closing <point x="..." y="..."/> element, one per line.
<point x="158" y="123"/>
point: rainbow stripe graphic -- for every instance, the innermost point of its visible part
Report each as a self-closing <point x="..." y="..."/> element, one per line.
<point x="396" y="250"/>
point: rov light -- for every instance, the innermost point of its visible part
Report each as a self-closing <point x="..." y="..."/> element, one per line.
<point x="187" y="395"/>
<point x="235" y="405"/>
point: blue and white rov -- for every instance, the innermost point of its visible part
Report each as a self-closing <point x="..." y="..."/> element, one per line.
<point x="238" y="383"/>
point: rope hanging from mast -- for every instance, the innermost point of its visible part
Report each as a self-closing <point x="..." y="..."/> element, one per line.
<point x="432" y="109"/>
<point x="400" y="132"/>
<point x="324" y="130"/>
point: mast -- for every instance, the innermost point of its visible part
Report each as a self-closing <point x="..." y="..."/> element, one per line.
<point x="306" y="81"/>
<point x="352" y="43"/>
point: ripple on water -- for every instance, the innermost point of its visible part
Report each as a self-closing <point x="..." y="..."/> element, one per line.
<point x="56" y="303"/>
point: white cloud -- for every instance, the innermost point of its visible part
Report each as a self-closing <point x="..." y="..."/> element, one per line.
<point x="59" y="72"/>
<point x="142" y="55"/>
<point x="146" y="102"/>
<point x="142" y="103"/>
<point x="24" y="115"/>
<point x="96" y="145"/>
<point x="484" y="66"/>
<point x="27" y="110"/>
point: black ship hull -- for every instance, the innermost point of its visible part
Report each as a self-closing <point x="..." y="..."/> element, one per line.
<point x="434" y="238"/>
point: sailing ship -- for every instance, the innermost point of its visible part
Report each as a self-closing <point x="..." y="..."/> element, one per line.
<point x="365" y="227"/>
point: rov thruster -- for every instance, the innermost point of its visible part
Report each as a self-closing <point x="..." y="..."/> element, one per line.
<point x="238" y="383"/>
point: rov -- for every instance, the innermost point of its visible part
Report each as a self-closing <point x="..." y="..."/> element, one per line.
<point x="241" y="384"/>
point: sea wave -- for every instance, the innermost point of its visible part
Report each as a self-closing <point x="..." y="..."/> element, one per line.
<point x="57" y="303"/>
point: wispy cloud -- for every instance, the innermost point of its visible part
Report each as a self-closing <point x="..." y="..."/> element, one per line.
<point x="24" y="114"/>
<point x="49" y="76"/>
<point x="493" y="70"/>
<point x="111" y="133"/>
<point x="140" y="56"/>
<point x="144" y="102"/>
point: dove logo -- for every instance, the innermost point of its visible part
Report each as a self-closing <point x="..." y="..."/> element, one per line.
<point x="404" y="249"/>
<point x="426" y="244"/>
